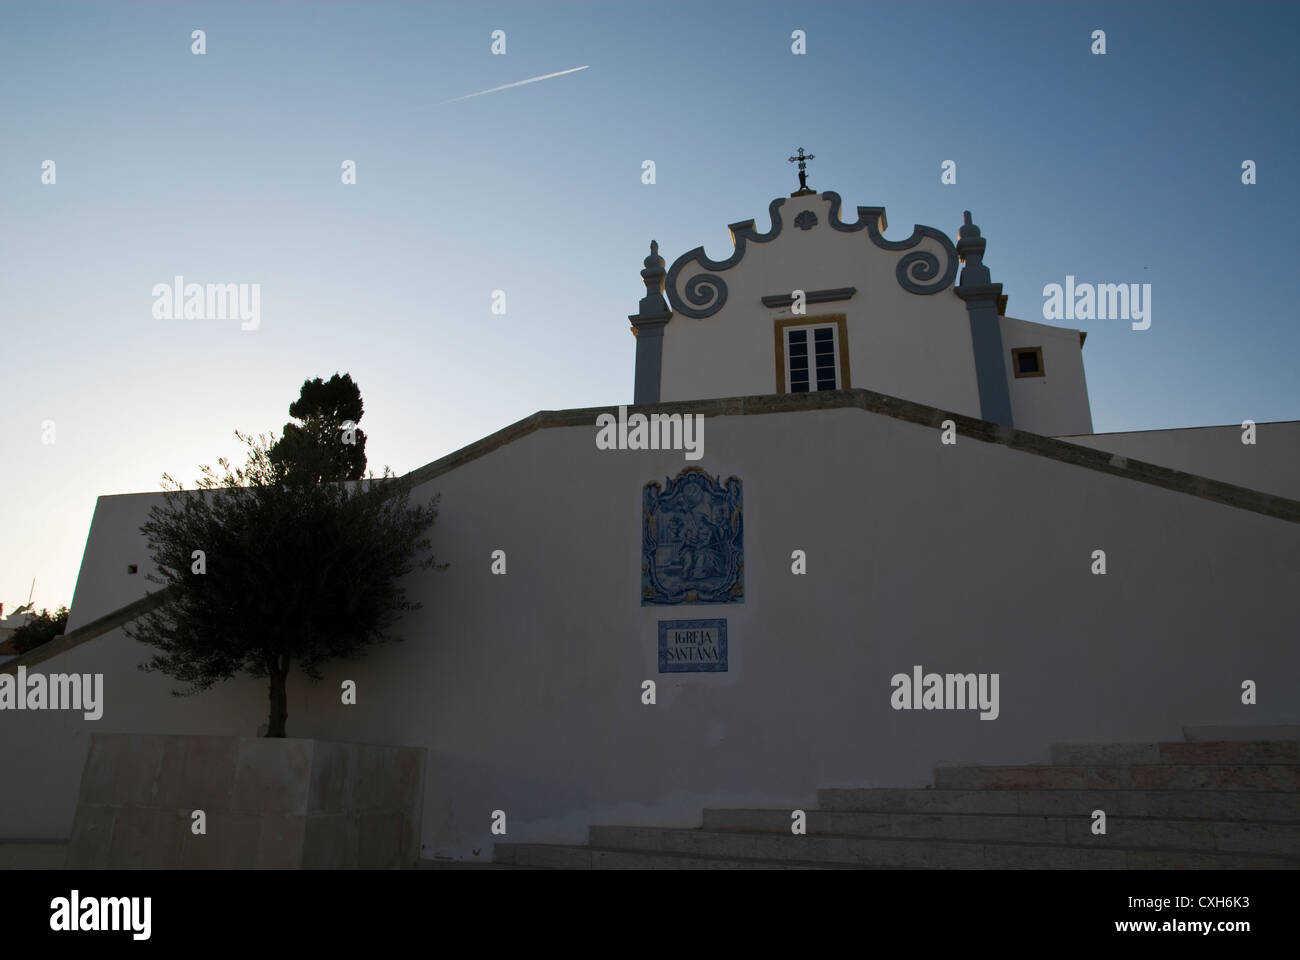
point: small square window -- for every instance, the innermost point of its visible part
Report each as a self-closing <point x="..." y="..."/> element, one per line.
<point x="1027" y="362"/>
<point x="132" y="569"/>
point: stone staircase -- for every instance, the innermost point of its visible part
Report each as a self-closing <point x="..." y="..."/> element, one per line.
<point x="1197" y="804"/>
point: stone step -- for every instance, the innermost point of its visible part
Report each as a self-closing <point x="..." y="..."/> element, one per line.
<point x="563" y="856"/>
<point x="1177" y="752"/>
<point x="1156" y="776"/>
<point x="33" y="854"/>
<point x="1253" y="806"/>
<point x="1279" y="732"/>
<point x="556" y="856"/>
<point x="910" y="853"/>
<point x="1277" y="839"/>
<point x="642" y="860"/>
<point x="464" y="865"/>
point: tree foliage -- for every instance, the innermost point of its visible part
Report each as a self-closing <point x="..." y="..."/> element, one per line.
<point x="290" y="572"/>
<point x="325" y="443"/>
<point x="41" y="628"/>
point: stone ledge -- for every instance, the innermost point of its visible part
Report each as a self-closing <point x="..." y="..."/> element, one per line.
<point x="96" y="628"/>
<point x="1228" y="494"/>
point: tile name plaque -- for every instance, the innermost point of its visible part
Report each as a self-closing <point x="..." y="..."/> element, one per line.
<point x="692" y="646"/>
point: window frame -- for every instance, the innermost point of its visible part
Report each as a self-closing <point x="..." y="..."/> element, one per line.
<point x="840" y="340"/>
<point x="1015" y="362"/>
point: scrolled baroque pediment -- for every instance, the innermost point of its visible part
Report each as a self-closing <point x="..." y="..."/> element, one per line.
<point x="696" y="286"/>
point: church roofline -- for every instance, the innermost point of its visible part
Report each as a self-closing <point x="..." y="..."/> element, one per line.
<point x="918" y="272"/>
<point x="1066" y="333"/>
<point x="1088" y="458"/>
<point x="969" y="428"/>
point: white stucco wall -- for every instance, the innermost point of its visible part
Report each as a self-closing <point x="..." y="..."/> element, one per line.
<point x="1057" y="402"/>
<point x="1271" y="464"/>
<point x="913" y="346"/>
<point x="114" y="543"/>
<point x="970" y="558"/>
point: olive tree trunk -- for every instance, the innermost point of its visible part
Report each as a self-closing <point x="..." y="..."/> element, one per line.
<point x="277" y="668"/>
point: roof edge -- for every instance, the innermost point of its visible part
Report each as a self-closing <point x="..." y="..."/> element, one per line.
<point x="1217" y="491"/>
<point x="1088" y="458"/>
<point x="96" y="628"/>
<point x="1208" y="426"/>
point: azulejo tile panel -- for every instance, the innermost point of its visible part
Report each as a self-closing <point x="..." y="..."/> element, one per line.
<point x="692" y="540"/>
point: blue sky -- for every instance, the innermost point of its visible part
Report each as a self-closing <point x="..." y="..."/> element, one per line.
<point x="226" y="168"/>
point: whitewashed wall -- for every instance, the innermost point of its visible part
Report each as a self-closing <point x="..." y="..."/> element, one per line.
<point x="113" y="544"/>
<point x="1057" y="402"/>
<point x="975" y="558"/>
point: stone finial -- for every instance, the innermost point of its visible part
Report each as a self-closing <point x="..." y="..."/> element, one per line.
<point x="653" y="303"/>
<point x="970" y="250"/>
<point x="648" y="327"/>
<point x="654" y="260"/>
<point x="981" y="295"/>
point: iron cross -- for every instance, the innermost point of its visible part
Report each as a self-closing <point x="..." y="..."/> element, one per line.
<point x="803" y="170"/>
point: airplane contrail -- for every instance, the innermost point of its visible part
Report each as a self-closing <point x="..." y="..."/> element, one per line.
<point x="517" y="83"/>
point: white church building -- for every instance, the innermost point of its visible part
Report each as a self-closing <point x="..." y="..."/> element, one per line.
<point x="893" y="478"/>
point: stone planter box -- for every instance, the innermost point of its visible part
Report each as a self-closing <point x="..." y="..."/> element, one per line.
<point x="268" y="802"/>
